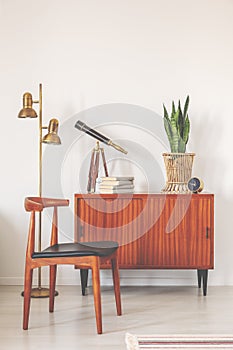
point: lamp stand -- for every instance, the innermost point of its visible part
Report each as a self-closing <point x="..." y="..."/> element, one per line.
<point x="39" y="291"/>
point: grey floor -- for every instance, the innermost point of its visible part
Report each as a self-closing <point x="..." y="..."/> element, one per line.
<point x="146" y="310"/>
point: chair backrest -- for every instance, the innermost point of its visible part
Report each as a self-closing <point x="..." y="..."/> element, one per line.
<point x="37" y="204"/>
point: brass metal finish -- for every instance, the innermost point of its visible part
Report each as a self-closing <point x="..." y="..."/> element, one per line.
<point x="40" y="293"/>
<point x="117" y="147"/>
<point x="51" y="138"/>
<point x="201" y="186"/>
<point x="27" y="100"/>
<point x="40" y="180"/>
<point x="27" y="111"/>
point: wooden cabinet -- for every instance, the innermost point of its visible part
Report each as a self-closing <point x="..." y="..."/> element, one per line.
<point x="154" y="231"/>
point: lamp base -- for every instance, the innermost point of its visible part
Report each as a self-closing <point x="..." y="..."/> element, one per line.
<point x="40" y="292"/>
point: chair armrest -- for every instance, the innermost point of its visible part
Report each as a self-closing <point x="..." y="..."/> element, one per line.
<point x="39" y="203"/>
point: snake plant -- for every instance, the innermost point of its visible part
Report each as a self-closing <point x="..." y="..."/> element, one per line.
<point x="177" y="127"/>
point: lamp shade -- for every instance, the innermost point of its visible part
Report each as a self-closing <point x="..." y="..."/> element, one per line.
<point x="27" y="111"/>
<point x="52" y="137"/>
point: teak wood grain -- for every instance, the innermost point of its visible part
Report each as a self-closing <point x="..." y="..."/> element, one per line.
<point x="154" y="231"/>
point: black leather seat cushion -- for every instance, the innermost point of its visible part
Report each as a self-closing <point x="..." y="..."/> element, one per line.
<point x="101" y="248"/>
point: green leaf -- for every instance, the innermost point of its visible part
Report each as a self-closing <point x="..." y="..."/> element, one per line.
<point x="182" y="146"/>
<point x="180" y="120"/>
<point x="186" y="106"/>
<point x="175" y="134"/>
<point x="165" y="112"/>
<point x="179" y="107"/>
<point x="170" y="135"/>
<point x="175" y="117"/>
<point x="167" y="126"/>
<point x="173" y="108"/>
<point x="186" y="130"/>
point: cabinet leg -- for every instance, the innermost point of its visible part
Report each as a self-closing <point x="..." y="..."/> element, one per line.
<point x="84" y="278"/>
<point x="205" y="277"/>
<point x="202" y="275"/>
<point x="199" y="278"/>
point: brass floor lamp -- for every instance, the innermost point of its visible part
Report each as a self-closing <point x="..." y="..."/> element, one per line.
<point x="50" y="138"/>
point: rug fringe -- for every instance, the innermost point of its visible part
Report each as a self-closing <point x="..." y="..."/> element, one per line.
<point x="184" y="341"/>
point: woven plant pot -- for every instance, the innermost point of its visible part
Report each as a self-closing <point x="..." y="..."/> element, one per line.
<point x="178" y="171"/>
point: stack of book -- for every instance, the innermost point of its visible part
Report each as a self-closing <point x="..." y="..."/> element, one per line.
<point x="117" y="184"/>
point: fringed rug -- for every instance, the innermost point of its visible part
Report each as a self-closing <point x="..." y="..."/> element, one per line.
<point x="189" y="342"/>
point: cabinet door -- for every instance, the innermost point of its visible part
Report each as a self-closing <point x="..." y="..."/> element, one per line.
<point x="201" y="230"/>
<point x="188" y="232"/>
<point x="116" y="219"/>
<point x="182" y="237"/>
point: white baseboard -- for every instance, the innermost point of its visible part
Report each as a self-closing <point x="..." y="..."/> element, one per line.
<point x="147" y="279"/>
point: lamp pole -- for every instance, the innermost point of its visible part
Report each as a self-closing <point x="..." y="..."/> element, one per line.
<point x="40" y="292"/>
<point x="40" y="183"/>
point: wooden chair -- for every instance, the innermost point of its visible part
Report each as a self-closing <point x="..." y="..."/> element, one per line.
<point x="88" y="255"/>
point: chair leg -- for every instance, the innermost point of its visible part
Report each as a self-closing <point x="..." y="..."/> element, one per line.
<point x="27" y="295"/>
<point x="116" y="282"/>
<point x="84" y="278"/>
<point x="52" y="286"/>
<point x="96" y="291"/>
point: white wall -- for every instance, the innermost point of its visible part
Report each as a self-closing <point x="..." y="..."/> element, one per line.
<point x="90" y="53"/>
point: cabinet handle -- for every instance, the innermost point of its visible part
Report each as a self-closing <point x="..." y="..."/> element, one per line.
<point x="207" y="233"/>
